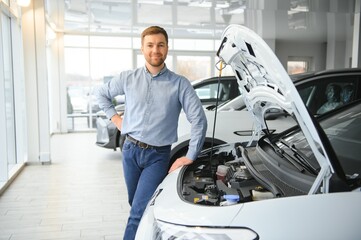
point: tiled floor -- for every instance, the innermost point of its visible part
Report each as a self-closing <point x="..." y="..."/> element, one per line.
<point x="80" y="195"/>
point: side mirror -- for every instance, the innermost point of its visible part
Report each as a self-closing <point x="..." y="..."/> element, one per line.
<point x="211" y="107"/>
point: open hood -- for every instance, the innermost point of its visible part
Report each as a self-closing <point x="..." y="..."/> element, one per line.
<point x="265" y="84"/>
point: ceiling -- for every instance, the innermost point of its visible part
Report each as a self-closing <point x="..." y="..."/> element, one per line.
<point x="288" y="20"/>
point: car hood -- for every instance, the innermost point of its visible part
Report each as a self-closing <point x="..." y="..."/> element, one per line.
<point x="265" y="84"/>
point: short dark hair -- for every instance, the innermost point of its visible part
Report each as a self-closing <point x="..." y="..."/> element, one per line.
<point x="154" y="30"/>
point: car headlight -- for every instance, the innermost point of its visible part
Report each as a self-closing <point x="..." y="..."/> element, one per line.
<point x="167" y="231"/>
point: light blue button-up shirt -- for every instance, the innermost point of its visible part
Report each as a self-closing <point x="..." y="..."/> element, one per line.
<point x="153" y="105"/>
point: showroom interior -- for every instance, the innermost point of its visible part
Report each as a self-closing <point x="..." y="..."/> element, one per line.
<point x="54" y="52"/>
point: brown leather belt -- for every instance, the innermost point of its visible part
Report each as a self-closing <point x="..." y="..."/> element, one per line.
<point x="139" y="143"/>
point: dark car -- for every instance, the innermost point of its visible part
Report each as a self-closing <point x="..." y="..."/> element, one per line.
<point x="325" y="90"/>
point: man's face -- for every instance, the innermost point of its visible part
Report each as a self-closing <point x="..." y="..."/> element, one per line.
<point x="155" y="49"/>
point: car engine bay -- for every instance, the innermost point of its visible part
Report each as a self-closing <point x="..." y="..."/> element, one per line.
<point x="221" y="178"/>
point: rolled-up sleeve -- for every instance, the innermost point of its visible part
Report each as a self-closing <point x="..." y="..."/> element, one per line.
<point x="105" y="94"/>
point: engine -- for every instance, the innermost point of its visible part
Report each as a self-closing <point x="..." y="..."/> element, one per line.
<point x="220" y="178"/>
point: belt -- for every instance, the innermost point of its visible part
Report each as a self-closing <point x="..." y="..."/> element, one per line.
<point x="139" y="143"/>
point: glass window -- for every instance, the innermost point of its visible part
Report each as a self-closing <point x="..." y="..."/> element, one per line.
<point x="298" y="64"/>
<point x="208" y="92"/>
<point x="154" y="13"/>
<point x="194" y="67"/>
<point x="78" y="86"/>
<point x="193" y="44"/>
<point x="324" y="94"/>
<point x="111" y="14"/>
<point x="344" y="133"/>
<point x="194" y="15"/>
<point x="306" y="94"/>
<point x="193" y="32"/>
<point x="294" y="67"/>
<point x="76" y="41"/>
<point x="86" y="68"/>
<point x="8" y="92"/>
<point x="106" y="62"/>
<point x="76" y="63"/>
<point x="137" y="43"/>
<point x="110" y="42"/>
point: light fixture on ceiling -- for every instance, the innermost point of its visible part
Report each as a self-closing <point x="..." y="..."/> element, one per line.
<point x="23" y="3"/>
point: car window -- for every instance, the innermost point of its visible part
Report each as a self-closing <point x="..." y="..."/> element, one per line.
<point x="307" y="94"/>
<point x="332" y="98"/>
<point x="344" y="133"/>
<point x="208" y="92"/>
<point x="235" y="89"/>
<point x="322" y="95"/>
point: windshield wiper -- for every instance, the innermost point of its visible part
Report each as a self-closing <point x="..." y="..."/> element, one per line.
<point x="300" y="157"/>
<point x="281" y="153"/>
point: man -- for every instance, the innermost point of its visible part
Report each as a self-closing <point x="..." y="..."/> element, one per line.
<point x="154" y="97"/>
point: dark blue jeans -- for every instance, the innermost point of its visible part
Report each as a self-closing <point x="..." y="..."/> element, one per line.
<point x="144" y="170"/>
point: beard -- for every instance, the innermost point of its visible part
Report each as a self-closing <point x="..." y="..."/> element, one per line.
<point x="155" y="62"/>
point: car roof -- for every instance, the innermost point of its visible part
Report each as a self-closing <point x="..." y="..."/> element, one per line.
<point x="322" y="73"/>
<point x="295" y="77"/>
<point x="203" y="80"/>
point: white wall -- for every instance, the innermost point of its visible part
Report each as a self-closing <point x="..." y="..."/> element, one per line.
<point x="317" y="51"/>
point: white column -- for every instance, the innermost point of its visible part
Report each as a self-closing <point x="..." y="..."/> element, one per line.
<point x="337" y="25"/>
<point x="34" y="42"/>
<point x="356" y="51"/>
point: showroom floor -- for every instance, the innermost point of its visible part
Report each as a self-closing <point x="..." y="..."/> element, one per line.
<point x="81" y="195"/>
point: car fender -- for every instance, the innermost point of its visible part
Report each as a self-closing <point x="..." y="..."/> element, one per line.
<point x="323" y="216"/>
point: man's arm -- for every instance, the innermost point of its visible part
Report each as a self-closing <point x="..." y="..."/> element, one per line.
<point x="194" y="111"/>
<point x="117" y="120"/>
<point x="105" y="94"/>
<point x="180" y="162"/>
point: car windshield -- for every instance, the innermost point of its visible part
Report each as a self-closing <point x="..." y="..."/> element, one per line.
<point x="344" y="132"/>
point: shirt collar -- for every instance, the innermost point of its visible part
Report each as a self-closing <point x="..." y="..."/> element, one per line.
<point x="163" y="70"/>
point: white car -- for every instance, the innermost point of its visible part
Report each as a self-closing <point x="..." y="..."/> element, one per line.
<point x="303" y="183"/>
<point x="233" y="123"/>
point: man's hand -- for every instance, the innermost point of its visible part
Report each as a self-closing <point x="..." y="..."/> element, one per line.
<point x="182" y="161"/>
<point x="117" y="120"/>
